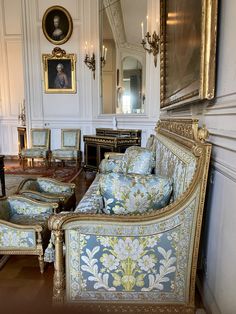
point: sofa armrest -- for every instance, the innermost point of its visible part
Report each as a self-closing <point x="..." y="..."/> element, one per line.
<point x="24" y="205"/>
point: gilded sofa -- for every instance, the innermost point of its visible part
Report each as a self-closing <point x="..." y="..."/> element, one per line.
<point x="144" y="262"/>
<point x="49" y="190"/>
<point x="23" y="227"/>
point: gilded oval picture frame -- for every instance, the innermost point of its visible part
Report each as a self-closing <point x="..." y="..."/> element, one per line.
<point x="57" y="25"/>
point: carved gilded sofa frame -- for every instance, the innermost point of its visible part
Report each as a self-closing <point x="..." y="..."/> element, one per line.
<point x="185" y="212"/>
<point x="24" y="234"/>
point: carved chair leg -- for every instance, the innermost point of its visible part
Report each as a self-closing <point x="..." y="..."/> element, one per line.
<point x="41" y="263"/>
<point x="23" y="163"/>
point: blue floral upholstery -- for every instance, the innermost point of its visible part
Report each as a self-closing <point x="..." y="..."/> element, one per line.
<point x="129" y="262"/>
<point x="174" y="162"/>
<point x="129" y="194"/>
<point x="136" y="160"/>
<point x="92" y="201"/>
<point x="21" y="207"/>
<point x="111" y="165"/>
<point x="14" y="238"/>
<point x="49" y="190"/>
<point x="23" y="226"/>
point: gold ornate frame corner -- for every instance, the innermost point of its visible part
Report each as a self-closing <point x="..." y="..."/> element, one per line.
<point x="205" y="88"/>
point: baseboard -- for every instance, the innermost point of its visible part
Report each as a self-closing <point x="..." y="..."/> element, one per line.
<point x="208" y="299"/>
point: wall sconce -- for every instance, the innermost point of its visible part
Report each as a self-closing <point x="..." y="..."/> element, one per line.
<point x="22" y="116"/>
<point x="89" y="60"/>
<point x="153" y="41"/>
<point x="104" y="56"/>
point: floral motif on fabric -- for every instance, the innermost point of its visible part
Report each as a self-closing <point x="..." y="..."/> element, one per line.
<point x="128" y="194"/>
<point x="11" y="238"/>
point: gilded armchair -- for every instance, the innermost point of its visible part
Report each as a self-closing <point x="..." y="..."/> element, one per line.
<point x="23" y="227"/>
<point x="49" y="190"/>
<point x="70" y="147"/>
<point x="40" y="147"/>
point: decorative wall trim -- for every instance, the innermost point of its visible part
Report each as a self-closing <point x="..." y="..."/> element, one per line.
<point x="223" y="168"/>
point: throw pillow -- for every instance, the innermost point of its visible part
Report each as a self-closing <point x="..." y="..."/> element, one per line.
<point x="133" y="193"/>
<point x="138" y="160"/>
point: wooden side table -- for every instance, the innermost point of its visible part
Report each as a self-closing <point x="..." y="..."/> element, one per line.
<point x="2" y="175"/>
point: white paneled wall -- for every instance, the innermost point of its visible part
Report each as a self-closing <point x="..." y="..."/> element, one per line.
<point x="11" y="74"/>
<point x="219" y="253"/>
<point x="21" y="34"/>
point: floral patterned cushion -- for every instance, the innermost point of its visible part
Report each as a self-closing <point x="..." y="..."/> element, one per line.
<point x="128" y="194"/>
<point x="138" y="160"/>
<point x="111" y="165"/>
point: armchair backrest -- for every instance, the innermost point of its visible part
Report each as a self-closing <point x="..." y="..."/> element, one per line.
<point x="70" y="138"/>
<point x="40" y="138"/>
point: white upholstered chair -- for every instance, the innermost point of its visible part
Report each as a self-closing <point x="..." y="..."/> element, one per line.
<point x="70" y="147"/>
<point x="40" y="146"/>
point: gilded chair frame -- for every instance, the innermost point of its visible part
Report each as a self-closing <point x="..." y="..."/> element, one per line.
<point x="40" y="246"/>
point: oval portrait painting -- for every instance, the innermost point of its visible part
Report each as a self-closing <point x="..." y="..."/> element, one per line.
<point x="57" y="25"/>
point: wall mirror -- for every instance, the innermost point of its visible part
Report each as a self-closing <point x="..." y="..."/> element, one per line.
<point x="123" y="59"/>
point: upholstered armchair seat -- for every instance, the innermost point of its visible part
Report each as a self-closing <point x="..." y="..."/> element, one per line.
<point x="49" y="190"/>
<point x="34" y="153"/>
<point x="65" y="153"/>
<point x="23" y="226"/>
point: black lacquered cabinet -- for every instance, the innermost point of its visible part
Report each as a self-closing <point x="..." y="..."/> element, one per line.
<point x="108" y="140"/>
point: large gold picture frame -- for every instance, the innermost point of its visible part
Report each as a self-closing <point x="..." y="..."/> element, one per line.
<point x="59" y="72"/>
<point x="188" y="51"/>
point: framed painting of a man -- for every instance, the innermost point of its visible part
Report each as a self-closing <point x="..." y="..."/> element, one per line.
<point x="59" y="72"/>
<point x="57" y="25"/>
<point x="188" y="51"/>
